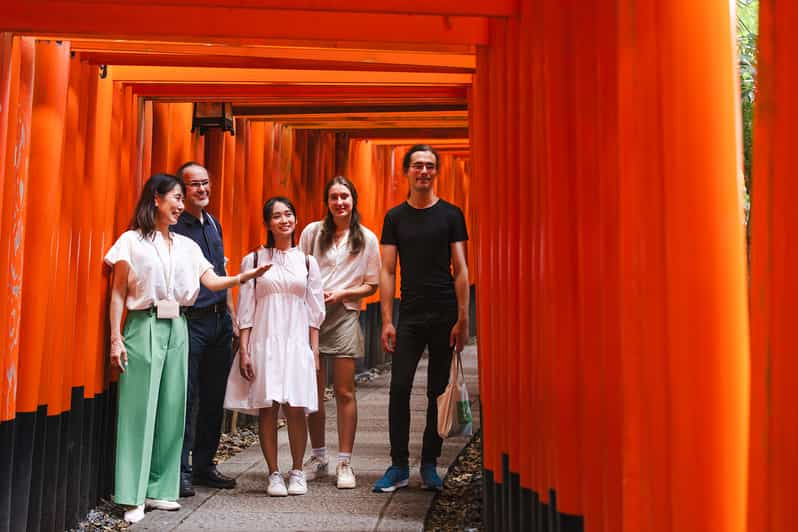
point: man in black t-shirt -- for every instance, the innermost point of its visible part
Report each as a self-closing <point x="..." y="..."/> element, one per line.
<point x="429" y="236"/>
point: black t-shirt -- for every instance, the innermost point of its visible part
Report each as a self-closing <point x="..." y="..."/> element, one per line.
<point x="423" y="238"/>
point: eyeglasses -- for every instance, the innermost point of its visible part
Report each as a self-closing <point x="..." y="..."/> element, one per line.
<point x="420" y="166"/>
<point x="199" y="184"/>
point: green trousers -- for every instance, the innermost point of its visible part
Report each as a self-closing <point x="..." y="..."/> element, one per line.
<point x="152" y="409"/>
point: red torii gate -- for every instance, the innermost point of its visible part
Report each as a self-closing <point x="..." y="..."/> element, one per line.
<point x="609" y="246"/>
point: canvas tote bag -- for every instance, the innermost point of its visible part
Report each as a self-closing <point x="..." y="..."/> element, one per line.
<point x="454" y="409"/>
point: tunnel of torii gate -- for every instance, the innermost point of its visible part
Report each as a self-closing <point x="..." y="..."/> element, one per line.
<point x="634" y="375"/>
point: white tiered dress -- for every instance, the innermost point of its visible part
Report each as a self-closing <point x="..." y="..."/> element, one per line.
<point x="279" y="308"/>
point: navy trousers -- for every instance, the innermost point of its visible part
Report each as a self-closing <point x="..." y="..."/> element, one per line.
<point x="209" y="358"/>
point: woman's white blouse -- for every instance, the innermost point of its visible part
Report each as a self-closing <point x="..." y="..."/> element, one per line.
<point x="154" y="273"/>
<point x="340" y="270"/>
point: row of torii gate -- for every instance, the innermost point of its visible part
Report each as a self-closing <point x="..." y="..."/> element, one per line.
<point x="636" y="371"/>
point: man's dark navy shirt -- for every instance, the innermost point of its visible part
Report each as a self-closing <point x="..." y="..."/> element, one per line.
<point x="208" y="237"/>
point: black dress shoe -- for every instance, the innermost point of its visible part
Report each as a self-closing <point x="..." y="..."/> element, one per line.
<point x="186" y="489"/>
<point x="213" y="479"/>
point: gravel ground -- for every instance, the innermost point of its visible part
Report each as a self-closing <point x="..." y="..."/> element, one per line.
<point x="459" y="505"/>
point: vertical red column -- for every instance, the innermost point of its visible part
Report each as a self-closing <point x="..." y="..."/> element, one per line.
<point x="254" y="184"/>
<point x="12" y="232"/>
<point x="774" y="367"/>
<point x="684" y="294"/>
<point x="214" y="162"/>
<point x="39" y="290"/>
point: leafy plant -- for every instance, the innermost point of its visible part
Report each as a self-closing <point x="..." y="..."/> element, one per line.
<point x="747" y="32"/>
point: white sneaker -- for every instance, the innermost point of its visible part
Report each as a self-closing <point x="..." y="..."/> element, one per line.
<point x="276" y="485"/>
<point x="135" y="514"/>
<point x="315" y="467"/>
<point x="346" y="477"/>
<point x="296" y="483"/>
<point x="161" y="504"/>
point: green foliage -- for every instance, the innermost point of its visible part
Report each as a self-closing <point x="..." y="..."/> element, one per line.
<point x="747" y="31"/>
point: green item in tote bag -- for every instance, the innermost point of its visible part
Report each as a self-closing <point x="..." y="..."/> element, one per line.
<point x="454" y="408"/>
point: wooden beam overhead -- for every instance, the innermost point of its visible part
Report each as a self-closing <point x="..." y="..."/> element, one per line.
<point x="408" y="134"/>
<point x="482" y="8"/>
<point x="281" y="110"/>
<point x="233" y="25"/>
<point x="229" y="61"/>
<point x="370" y="121"/>
<point x="465" y="60"/>
<point x="232" y="76"/>
<point x="311" y="95"/>
<point x="438" y="143"/>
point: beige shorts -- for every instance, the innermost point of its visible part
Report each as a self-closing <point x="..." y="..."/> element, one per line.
<point x="340" y="335"/>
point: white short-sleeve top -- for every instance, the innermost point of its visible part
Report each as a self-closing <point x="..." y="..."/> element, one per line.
<point x="340" y="270"/>
<point x="156" y="273"/>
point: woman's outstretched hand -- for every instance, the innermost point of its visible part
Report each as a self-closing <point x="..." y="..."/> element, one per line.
<point x="254" y="272"/>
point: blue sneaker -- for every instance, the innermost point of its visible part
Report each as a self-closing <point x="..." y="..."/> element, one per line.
<point x="394" y="478"/>
<point x="429" y="478"/>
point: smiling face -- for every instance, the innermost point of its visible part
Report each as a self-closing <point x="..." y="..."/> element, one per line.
<point x="198" y="187"/>
<point x="282" y="222"/>
<point x="340" y="202"/>
<point x="422" y="171"/>
<point x="169" y="206"/>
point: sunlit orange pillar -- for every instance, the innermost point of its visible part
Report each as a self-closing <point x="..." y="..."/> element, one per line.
<point x="42" y="298"/>
<point x="42" y="214"/>
<point x="6" y="60"/>
<point x="685" y="324"/>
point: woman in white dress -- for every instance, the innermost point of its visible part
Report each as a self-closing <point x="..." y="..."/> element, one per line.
<point x="349" y="259"/>
<point x="279" y="316"/>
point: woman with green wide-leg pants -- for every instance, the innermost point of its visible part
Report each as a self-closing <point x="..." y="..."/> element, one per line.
<point x="155" y="274"/>
<point x="152" y="404"/>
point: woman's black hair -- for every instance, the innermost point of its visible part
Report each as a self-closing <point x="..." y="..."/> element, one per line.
<point x="414" y="149"/>
<point x="146" y="213"/>
<point x="356" y="238"/>
<point x="268" y="208"/>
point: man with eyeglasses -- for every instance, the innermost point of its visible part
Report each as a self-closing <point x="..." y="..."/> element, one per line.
<point x="210" y="333"/>
<point x="429" y="235"/>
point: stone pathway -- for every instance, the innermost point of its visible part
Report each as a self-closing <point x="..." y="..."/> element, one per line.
<point x="325" y="508"/>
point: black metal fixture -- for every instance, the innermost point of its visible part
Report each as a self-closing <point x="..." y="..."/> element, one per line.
<point x="208" y="115"/>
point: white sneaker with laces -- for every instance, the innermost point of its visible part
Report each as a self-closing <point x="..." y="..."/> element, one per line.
<point x="135" y="514"/>
<point x="346" y="477"/>
<point x="315" y="467"/>
<point x="276" y="485"/>
<point x="296" y="483"/>
<point x="161" y="504"/>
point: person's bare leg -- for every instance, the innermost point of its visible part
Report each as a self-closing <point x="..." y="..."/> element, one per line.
<point x="297" y="434"/>
<point x="317" y="421"/>
<point x="267" y="430"/>
<point x="346" y="402"/>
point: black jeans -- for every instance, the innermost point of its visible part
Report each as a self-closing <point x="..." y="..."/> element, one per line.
<point x="209" y="359"/>
<point x="431" y="329"/>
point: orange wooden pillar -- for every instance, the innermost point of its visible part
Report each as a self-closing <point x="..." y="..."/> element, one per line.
<point x="96" y="230"/>
<point x="12" y="230"/>
<point x="631" y="226"/>
<point x="774" y="367"/>
<point x="40" y="292"/>
<point x="685" y="326"/>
